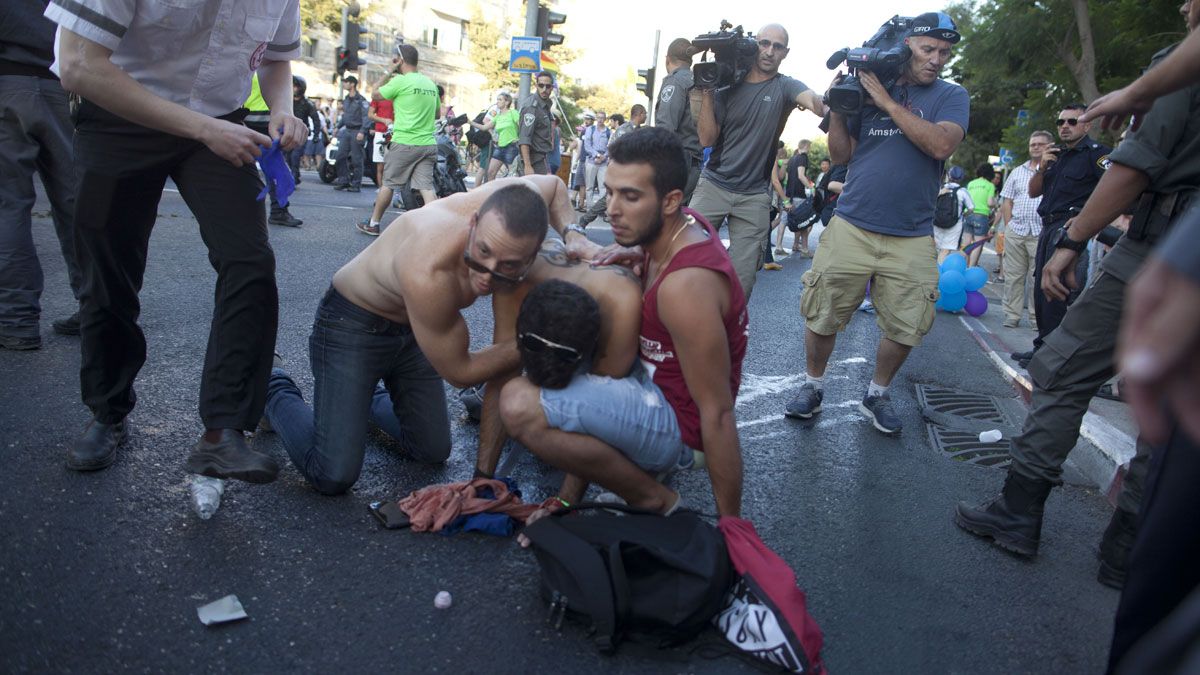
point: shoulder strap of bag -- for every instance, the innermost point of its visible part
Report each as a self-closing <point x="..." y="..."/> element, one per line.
<point x="586" y="566"/>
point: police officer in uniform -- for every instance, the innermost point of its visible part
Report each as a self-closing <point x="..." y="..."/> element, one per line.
<point x="1064" y="184"/>
<point x="534" y="135"/>
<point x="162" y="90"/>
<point x="1158" y="168"/>
<point x="674" y="111"/>
<point x="351" y="134"/>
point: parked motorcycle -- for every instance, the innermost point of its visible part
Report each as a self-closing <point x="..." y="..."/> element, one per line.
<point x="327" y="165"/>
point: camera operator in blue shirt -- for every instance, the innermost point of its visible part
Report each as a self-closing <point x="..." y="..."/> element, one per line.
<point x="881" y="231"/>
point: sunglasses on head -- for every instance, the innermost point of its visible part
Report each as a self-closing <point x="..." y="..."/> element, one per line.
<point x="537" y="344"/>
<point x="1070" y="120"/>
<point x="779" y="46"/>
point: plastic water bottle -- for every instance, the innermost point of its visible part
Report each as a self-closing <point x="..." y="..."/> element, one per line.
<point x="206" y="495"/>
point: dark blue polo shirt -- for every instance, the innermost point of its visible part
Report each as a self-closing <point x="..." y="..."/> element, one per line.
<point x="1070" y="180"/>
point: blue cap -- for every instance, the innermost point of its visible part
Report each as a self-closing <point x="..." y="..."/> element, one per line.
<point x="937" y="25"/>
<point x="957" y="173"/>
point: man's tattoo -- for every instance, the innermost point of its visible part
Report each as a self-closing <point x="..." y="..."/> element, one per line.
<point x="554" y="251"/>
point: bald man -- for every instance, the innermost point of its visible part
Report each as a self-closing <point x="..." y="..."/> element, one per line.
<point x="742" y="126"/>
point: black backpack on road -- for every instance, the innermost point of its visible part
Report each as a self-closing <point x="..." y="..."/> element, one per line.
<point x="636" y="575"/>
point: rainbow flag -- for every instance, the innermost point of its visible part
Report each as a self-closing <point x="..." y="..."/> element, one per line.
<point x="550" y="65"/>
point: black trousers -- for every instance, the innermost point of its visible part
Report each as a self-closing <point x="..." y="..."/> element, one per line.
<point x="1164" y="565"/>
<point x="1050" y="313"/>
<point x="349" y="158"/>
<point x="122" y="169"/>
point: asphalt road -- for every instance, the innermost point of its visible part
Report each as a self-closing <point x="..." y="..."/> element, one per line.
<point x="103" y="572"/>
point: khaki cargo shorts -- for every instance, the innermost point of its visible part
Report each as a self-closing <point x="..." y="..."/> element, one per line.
<point x="902" y="271"/>
<point x="404" y="163"/>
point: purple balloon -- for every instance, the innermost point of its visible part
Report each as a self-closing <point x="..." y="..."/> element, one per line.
<point x="977" y="304"/>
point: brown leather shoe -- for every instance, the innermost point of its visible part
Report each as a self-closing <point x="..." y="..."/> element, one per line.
<point x="231" y="458"/>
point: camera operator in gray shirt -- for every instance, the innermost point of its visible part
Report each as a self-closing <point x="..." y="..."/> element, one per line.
<point x="742" y="124"/>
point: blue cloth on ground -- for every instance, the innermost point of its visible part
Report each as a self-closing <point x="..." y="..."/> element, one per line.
<point x="496" y="524"/>
<point x="274" y="165"/>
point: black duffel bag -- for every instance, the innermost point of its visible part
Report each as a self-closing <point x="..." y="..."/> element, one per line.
<point x="801" y="215"/>
<point x="636" y="575"/>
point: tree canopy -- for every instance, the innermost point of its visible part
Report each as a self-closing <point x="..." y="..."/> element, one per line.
<point x="1038" y="55"/>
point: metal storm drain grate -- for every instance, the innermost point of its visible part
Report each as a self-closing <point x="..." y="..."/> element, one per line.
<point x="979" y="407"/>
<point x="965" y="446"/>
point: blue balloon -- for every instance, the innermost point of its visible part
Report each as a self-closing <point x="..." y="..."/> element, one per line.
<point x="956" y="262"/>
<point x="953" y="302"/>
<point x="976" y="278"/>
<point x="952" y="282"/>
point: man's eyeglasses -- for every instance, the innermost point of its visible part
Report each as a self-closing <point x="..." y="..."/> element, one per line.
<point x="779" y="46"/>
<point x="1070" y="120"/>
<point x="538" y="344"/>
<point x="499" y="277"/>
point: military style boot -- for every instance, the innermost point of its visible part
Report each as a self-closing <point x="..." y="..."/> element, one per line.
<point x="1013" y="520"/>
<point x="1115" y="547"/>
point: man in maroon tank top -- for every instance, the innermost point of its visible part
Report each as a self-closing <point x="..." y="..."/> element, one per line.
<point x="680" y="399"/>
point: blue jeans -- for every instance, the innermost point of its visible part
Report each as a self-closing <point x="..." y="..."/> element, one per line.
<point x="351" y="351"/>
<point x="631" y="414"/>
<point x="977" y="224"/>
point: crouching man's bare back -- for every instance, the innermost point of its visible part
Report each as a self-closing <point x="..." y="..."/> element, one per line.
<point x="390" y="328"/>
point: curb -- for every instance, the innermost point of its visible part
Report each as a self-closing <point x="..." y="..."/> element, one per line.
<point x="1104" y="459"/>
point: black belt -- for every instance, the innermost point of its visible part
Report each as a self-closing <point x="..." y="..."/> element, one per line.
<point x="1154" y="214"/>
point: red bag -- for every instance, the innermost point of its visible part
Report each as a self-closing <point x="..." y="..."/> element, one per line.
<point x="765" y="614"/>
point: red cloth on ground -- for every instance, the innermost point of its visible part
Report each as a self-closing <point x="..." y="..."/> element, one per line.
<point x="432" y="508"/>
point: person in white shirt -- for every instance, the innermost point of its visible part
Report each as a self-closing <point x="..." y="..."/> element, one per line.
<point x="161" y="88"/>
<point x="1023" y="225"/>
<point x="947" y="239"/>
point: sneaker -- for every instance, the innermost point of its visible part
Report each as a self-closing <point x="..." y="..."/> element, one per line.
<point x="774" y="267"/>
<point x="20" y="344"/>
<point x="867" y="306"/>
<point x="879" y="409"/>
<point x="807" y="403"/>
<point x="67" y="326"/>
<point x="284" y="219"/>
<point x="1011" y="323"/>
<point x="367" y="228"/>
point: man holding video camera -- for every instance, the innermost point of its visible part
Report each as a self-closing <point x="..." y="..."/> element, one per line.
<point x="881" y="230"/>
<point x="741" y="124"/>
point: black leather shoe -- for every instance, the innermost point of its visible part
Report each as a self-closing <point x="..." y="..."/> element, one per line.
<point x="20" y="343"/>
<point x="284" y="219"/>
<point x="67" y="326"/>
<point x="1114" y="549"/>
<point x="1013" y="520"/>
<point x="97" y="448"/>
<point x="341" y="186"/>
<point x="231" y="458"/>
<point x="1021" y="356"/>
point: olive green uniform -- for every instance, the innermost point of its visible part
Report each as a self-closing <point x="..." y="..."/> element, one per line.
<point x="1078" y="357"/>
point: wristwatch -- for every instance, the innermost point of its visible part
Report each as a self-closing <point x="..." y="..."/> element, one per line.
<point x="1063" y="240"/>
<point x="576" y="229"/>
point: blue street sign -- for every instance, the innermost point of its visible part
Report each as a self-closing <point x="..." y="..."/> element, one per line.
<point x="1006" y="156"/>
<point x="526" y="55"/>
<point x="1022" y="117"/>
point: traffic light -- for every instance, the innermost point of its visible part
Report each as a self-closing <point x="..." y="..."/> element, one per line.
<point x="352" y="32"/>
<point x="647" y="87"/>
<point x="548" y="19"/>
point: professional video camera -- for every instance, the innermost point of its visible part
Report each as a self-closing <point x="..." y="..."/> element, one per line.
<point x="884" y="55"/>
<point x="733" y="52"/>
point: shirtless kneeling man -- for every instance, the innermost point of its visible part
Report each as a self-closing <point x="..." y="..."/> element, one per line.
<point x="393" y="315"/>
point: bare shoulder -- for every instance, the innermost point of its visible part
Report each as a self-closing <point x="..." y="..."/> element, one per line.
<point x="693" y="291"/>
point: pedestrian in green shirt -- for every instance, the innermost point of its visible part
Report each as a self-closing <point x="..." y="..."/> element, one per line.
<point x="504" y="141"/>
<point x="979" y="221"/>
<point x="412" y="156"/>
